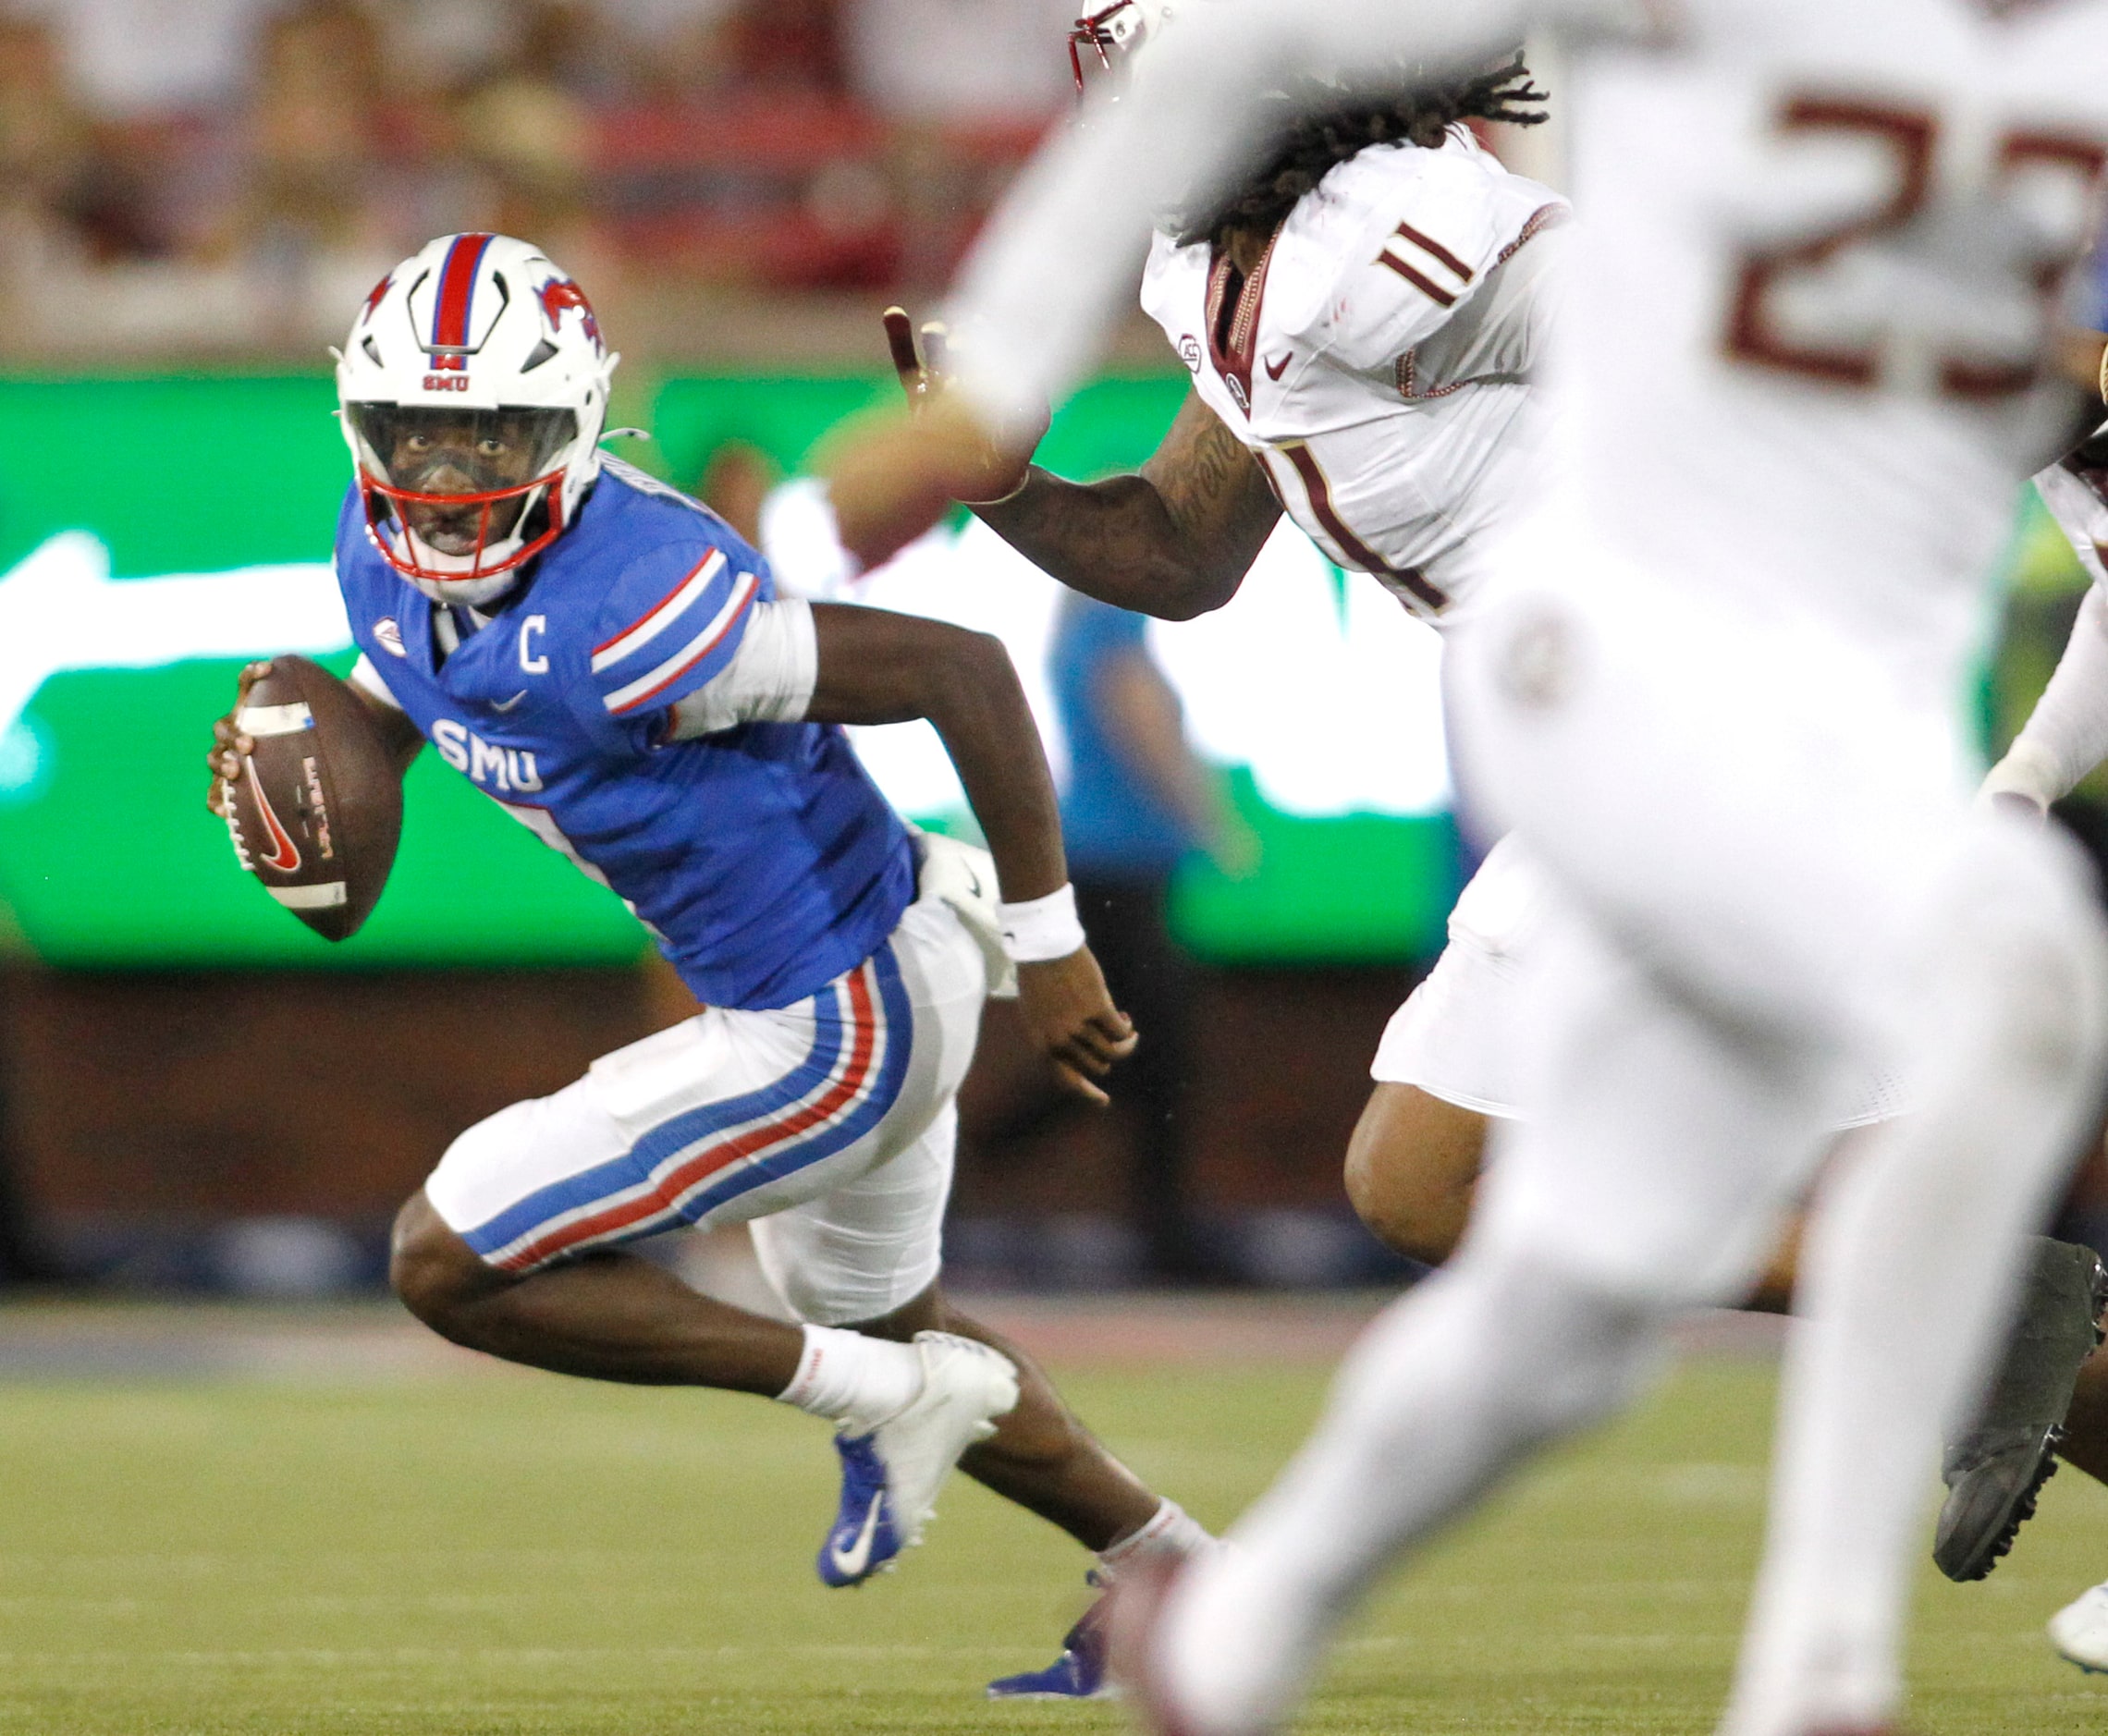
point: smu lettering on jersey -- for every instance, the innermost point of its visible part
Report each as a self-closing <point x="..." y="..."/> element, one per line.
<point x="1377" y="360"/>
<point x="762" y="856"/>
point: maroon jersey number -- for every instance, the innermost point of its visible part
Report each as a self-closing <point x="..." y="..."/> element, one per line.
<point x="1909" y="141"/>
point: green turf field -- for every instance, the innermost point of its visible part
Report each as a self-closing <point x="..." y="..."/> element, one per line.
<point x="524" y="1554"/>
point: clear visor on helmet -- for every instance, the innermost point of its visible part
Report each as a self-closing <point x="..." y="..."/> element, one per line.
<point x="460" y="481"/>
<point x="428" y="450"/>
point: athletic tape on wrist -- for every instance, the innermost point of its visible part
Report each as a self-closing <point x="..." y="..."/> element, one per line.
<point x="1040" y="929"/>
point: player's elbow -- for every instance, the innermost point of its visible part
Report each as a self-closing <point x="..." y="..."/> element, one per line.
<point x="1196" y="588"/>
<point x="974" y="671"/>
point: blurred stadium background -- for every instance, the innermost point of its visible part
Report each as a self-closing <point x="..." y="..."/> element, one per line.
<point x="311" y="1516"/>
<point x="193" y="196"/>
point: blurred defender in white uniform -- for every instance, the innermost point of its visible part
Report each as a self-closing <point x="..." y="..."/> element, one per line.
<point x="1716" y="691"/>
<point x="2064" y="739"/>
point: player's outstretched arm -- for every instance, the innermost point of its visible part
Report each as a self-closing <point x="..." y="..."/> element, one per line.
<point x="876" y="666"/>
<point x="231" y="746"/>
<point x="1175" y="540"/>
<point x="2067" y="735"/>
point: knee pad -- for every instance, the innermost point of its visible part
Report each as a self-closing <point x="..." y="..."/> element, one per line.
<point x="2018" y="937"/>
<point x="1593" y="1354"/>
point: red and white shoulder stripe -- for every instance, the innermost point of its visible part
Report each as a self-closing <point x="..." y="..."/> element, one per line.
<point x="680" y="625"/>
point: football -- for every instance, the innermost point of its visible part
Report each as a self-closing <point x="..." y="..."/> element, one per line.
<point x="317" y="811"/>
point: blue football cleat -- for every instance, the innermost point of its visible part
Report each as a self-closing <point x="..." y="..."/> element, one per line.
<point x="1078" y="1673"/>
<point x="864" y="1538"/>
<point x="891" y="1473"/>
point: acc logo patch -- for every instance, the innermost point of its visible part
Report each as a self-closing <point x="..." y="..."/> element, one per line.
<point x="389" y="636"/>
<point x="1189" y="352"/>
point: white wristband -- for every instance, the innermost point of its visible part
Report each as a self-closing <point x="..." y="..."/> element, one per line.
<point x="1040" y="929"/>
<point x="2029" y="770"/>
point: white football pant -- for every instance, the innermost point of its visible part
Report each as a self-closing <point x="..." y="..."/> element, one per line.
<point x="1783" y="887"/>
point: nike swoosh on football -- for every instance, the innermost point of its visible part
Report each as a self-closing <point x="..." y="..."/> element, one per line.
<point x="1276" y="369"/>
<point x="851" y="1563"/>
<point x="284" y="854"/>
<point x="507" y="705"/>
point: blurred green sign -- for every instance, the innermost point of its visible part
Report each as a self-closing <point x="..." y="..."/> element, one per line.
<point x="155" y="534"/>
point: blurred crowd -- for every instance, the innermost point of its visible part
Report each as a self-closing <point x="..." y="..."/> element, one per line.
<point x="219" y="174"/>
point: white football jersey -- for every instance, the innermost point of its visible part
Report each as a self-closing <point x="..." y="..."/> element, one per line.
<point x="1377" y="359"/>
<point x="1801" y="354"/>
<point x="1801" y="330"/>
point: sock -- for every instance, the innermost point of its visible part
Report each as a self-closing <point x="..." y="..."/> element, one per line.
<point x="847" y="1377"/>
<point x="1170" y="1530"/>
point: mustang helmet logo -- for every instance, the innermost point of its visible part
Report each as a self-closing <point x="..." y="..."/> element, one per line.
<point x="560" y="294"/>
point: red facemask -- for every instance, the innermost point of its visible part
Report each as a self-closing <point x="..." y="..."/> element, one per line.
<point x="384" y="503"/>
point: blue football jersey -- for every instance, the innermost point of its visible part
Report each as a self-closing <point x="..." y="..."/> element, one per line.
<point x="762" y="857"/>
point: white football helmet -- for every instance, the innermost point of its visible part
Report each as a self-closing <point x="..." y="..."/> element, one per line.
<point x="1113" y="35"/>
<point x="473" y="389"/>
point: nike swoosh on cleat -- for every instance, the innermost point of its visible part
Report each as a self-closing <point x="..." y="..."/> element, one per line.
<point x="507" y="705"/>
<point x="851" y="1563"/>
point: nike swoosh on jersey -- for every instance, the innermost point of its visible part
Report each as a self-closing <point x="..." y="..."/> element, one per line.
<point x="507" y="705"/>
<point x="1276" y="369"/>
<point x="850" y="1562"/>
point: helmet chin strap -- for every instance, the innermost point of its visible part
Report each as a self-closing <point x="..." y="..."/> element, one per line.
<point x="471" y="589"/>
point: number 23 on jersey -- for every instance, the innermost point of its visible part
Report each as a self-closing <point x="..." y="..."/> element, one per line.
<point x="1816" y="307"/>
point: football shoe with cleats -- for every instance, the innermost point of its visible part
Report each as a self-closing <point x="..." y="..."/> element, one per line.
<point x="1134" y="1617"/>
<point x="2080" y="1631"/>
<point x="892" y="1469"/>
<point x="1995" y="1470"/>
<point x="1081" y="1672"/>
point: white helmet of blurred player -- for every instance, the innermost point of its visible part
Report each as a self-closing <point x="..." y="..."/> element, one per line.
<point x="1113" y="35"/>
<point x="473" y="390"/>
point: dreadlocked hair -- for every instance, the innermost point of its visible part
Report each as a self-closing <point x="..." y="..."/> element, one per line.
<point x="1316" y="142"/>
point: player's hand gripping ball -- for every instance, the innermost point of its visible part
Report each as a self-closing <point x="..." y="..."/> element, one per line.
<point x="311" y="793"/>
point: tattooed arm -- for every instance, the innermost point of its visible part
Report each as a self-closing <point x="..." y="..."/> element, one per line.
<point x="1175" y="540"/>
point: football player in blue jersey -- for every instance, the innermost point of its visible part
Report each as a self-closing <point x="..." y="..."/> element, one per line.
<point x="611" y="663"/>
